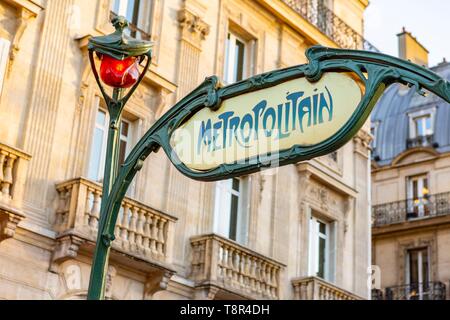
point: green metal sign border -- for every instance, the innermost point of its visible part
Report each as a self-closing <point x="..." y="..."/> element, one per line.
<point x="376" y="71"/>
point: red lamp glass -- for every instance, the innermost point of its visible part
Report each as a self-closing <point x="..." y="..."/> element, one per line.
<point x="119" y="73"/>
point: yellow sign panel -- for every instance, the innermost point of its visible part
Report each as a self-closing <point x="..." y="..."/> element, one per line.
<point x="267" y="121"/>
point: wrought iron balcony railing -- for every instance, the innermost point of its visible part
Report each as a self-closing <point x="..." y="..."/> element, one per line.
<point x="421" y="141"/>
<point x="135" y="31"/>
<point x="377" y="294"/>
<point x="401" y="211"/>
<point x="323" y="18"/>
<point x="417" y="291"/>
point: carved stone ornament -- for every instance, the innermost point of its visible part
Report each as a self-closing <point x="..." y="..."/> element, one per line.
<point x="194" y="29"/>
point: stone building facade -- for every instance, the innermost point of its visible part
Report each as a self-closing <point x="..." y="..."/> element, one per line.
<point x="300" y="232"/>
<point x="411" y="190"/>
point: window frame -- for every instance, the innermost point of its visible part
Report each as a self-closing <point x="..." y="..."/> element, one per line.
<point x="142" y="19"/>
<point x="422" y="180"/>
<point x="314" y="250"/>
<point x="222" y="222"/>
<point x="425" y="113"/>
<point x="248" y="63"/>
<point x="420" y="283"/>
<point x="105" y="128"/>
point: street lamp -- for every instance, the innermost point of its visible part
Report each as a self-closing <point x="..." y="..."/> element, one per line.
<point x="120" y="57"/>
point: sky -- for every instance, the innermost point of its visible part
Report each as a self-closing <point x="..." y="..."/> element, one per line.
<point x="427" y="20"/>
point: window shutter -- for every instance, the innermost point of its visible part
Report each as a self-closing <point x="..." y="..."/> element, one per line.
<point x="4" y="56"/>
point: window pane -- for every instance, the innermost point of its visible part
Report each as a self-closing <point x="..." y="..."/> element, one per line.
<point x="101" y="118"/>
<point x="425" y="266"/>
<point x="413" y="267"/>
<point x="322" y="228"/>
<point x="122" y="151"/>
<point x="321" y="257"/>
<point x="239" y="63"/>
<point x="236" y="184"/>
<point x="428" y="123"/>
<point x="96" y="152"/>
<point x="233" y="217"/>
<point x="415" y="189"/>
<point x="124" y="128"/>
<point x="419" y="127"/>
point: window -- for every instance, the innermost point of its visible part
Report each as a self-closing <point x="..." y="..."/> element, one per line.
<point x="418" y="274"/>
<point x="373" y="132"/>
<point x="238" y="59"/>
<point x="421" y="123"/>
<point x="231" y="209"/>
<point x="319" y="248"/>
<point x="422" y="126"/>
<point x="418" y="194"/>
<point x="4" y="57"/>
<point x="98" y="150"/>
<point x="137" y="13"/>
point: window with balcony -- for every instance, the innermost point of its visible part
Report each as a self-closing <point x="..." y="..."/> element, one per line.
<point x="137" y="12"/>
<point x="99" y="142"/>
<point x="418" y="273"/>
<point x="418" y="196"/>
<point x="238" y="58"/>
<point x="320" y="245"/>
<point x="231" y="209"/>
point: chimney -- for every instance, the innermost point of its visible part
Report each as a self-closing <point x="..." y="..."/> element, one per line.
<point x="411" y="49"/>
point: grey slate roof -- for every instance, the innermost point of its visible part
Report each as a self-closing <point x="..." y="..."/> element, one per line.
<point x="391" y="114"/>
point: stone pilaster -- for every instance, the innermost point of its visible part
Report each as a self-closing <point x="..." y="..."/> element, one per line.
<point x="193" y="31"/>
<point x="45" y="101"/>
<point x="362" y="216"/>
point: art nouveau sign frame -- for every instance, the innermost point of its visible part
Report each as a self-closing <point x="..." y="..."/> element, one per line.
<point x="328" y="100"/>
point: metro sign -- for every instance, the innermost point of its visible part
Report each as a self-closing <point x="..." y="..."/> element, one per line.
<point x="253" y="125"/>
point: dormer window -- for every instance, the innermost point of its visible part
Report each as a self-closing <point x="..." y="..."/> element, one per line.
<point x="421" y="128"/>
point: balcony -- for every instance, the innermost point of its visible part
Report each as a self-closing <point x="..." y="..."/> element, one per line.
<point x="421" y="142"/>
<point x="313" y="288"/>
<point x="223" y="269"/>
<point x="411" y="209"/>
<point x="329" y="24"/>
<point x="144" y="236"/>
<point x="13" y="167"/>
<point x="417" y="291"/>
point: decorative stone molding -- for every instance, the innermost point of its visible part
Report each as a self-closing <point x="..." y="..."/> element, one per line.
<point x="66" y="248"/>
<point x="362" y="142"/>
<point x="193" y="29"/>
<point x="8" y="222"/>
<point x="24" y="17"/>
<point x="156" y="281"/>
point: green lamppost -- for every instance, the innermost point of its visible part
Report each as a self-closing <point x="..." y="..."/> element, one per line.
<point x="120" y="57"/>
